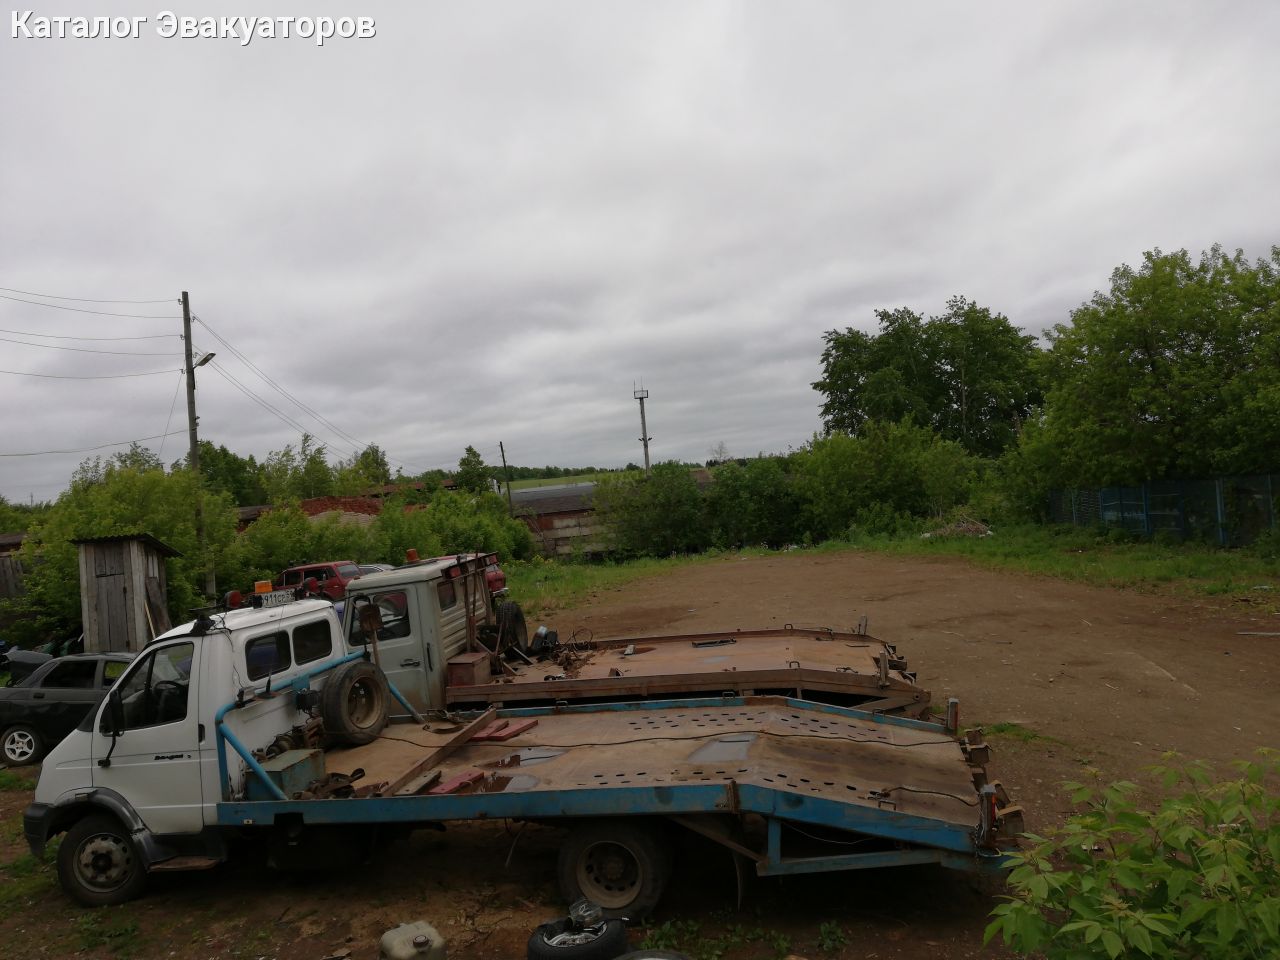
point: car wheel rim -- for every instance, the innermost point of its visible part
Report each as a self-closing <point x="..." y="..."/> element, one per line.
<point x="609" y="874"/>
<point x="19" y="746"/>
<point x="363" y="704"/>
<point x="104" y="862"/>
<point x="574" y="938"/>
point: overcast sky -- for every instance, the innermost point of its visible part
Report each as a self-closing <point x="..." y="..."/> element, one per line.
<point x="485" y="222"/>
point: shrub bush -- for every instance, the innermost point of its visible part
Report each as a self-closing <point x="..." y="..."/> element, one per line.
<point x="1197" y="878"/>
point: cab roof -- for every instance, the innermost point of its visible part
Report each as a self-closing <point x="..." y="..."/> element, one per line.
<point x="246" y="617"/>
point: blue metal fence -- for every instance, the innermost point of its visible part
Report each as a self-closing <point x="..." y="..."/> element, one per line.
<point x="1231" y="511"/>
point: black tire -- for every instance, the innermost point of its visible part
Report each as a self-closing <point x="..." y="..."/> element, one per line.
<point x="512" y="630"/>
<point x="21" y="745"/>
<point x="99" y="864"/>
<point x="621" y="865"/>
<point x="355" y="702"/>
<point x="604" y="946"/>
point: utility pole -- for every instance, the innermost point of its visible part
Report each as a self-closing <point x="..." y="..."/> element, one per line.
<point x="642" y="394"/>
<point x="193" y="452"/>
<point x="506" y="471"/>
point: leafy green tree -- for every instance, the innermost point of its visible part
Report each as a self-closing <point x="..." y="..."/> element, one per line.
<point x="122" y="500"/>
<point x="362" y="471"/>
<point x="1196" y="878"/>
<point x="451" y="523"/>
<point x="1174" y="372"/>
<point x="17" y="517"/>
<point x="289" y="474"/>
<point x="895" y="467"/>
<point x="752" y="504"/>
<point x="227" y="472"/>
<point x="969" y="374"/>
<point x="656" y="515"/>
<point x="884" y="376"/>
<point x="987" y="374"/>
<point x="472" y="475"/>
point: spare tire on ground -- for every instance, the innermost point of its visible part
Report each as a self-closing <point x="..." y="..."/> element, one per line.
<point x="355" y="702"/>
<point x="562" y="940"/>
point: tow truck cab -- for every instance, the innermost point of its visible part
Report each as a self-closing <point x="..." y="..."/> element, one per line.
<point x="159" y="772"/>
<point x="429" y="610"/>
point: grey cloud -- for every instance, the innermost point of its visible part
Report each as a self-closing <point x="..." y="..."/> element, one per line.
<point x="486" y="222"/>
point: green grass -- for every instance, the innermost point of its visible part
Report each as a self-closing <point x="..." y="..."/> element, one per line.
<point x="1066" y="553"/>
<point x="26" y="877"/>
<point x="1071" y="553"/>
<point x="12" y="780"/>
<point x="541" y="586"/>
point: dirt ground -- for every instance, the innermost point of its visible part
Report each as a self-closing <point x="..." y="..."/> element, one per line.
<point x="1094" y="678"/>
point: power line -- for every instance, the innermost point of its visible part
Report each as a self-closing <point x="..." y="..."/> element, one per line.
<point x="302" y="406"/>
<point x="57" y="336"/>
<point x="101" y="446"/>
<point x="111" y="376"/>
<point x="119" y="353"/>
<point x="254" y="397"/>
<point x="169" y="419"/>
<point x="355" y="443"/>
<point x="101" y="313"/>
<point x="54" y="296"/>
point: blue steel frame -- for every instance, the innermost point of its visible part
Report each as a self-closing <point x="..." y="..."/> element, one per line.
<point x="299" y="683"/>
<point x="946" y="841"/>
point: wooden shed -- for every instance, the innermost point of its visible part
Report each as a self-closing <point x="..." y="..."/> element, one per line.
<point x="123" y="591"/>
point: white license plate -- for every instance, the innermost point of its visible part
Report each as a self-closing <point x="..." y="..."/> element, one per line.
<point x="277" y="598"/>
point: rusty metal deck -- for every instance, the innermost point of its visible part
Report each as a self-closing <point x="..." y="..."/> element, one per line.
<point x="901" y="770"/>
<point x="819" y="664"/>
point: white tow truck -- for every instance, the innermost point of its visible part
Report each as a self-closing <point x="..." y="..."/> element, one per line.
<point x="270" y="720"/>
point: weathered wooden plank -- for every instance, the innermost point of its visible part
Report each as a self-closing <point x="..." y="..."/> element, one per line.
<point x="433" y="758"/>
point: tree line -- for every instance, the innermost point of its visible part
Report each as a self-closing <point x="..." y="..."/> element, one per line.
<point x="1171" y="373"/>
<point x="133" y="492"/>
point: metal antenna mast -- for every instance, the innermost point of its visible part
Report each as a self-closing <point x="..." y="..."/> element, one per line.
<point x="642" y="394"/>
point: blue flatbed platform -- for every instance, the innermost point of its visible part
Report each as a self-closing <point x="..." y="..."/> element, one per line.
<point x="908" y="791"/>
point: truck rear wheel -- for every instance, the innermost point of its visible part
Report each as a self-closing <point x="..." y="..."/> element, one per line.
<point x="354" y="703"/>
<point x="98" y="862"/>
<point x="621" y="865"/>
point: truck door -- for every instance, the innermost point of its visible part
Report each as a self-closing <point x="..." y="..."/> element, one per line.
<point x="404" y="647"/>
<point x="155" y="763"/>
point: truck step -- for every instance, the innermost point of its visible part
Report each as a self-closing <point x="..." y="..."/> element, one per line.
<point x="184" y="863"/>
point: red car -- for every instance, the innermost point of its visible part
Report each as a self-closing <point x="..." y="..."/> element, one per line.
<point x="333" y="577"/>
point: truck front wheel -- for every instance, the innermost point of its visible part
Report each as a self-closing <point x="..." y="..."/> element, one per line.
<point x="623" y="866"/>
<point x="98" y="862"/>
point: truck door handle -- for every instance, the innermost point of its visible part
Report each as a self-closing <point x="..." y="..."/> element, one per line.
<point x="410" y="663"/>
<point x="37" y="695"/>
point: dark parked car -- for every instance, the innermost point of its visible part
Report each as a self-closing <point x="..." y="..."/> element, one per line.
<point x="20" y="664"/>
<point x="46" y="706"/>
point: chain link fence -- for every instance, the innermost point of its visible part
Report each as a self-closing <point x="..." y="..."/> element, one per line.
<point x="1231" y="511"/>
